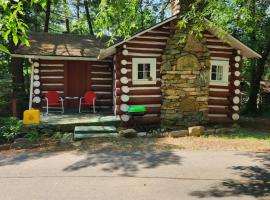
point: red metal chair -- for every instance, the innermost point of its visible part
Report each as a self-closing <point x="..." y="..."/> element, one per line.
<point x="52" y="98"/>
<point x="89" y="99"/>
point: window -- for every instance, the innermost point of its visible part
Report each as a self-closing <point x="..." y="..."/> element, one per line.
<point x="144" y="70"/>
<point x="219" y="71"/>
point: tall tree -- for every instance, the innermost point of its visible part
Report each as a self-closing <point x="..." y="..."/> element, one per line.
<point x="47" y="16"/>
<point x="88" y="17"/>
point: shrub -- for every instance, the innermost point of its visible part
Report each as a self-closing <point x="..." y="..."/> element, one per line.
<point x="9" y="129"/>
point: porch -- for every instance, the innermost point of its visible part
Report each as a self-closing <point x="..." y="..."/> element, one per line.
<point x="79" y="119"/>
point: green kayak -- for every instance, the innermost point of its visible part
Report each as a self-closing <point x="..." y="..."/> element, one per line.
<point x="136" y="109"/>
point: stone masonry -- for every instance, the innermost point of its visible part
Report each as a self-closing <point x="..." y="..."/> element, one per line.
<point x="185" y="79"/>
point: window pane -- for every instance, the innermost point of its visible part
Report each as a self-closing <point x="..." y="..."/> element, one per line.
<point x="140" y="67"/>
<point x="140" y="75"/>
<point x="147" y="67"/>
<point x="214" y="68"/>
<point x="220" y="73"/>
<point x="214" y="76"/>
<point x="146" y="75"/>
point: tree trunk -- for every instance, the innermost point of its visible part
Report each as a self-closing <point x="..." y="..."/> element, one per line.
<point x="16" y="70"/>
<point x="47" y="18"/>
<point x="88" y="17"/>
<point x="78" y="9"/>
<point x="67" y="25"/>
<point x="256" y="77"/>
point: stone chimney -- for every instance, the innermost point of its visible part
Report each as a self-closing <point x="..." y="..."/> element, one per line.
<point x="175" y="5"/>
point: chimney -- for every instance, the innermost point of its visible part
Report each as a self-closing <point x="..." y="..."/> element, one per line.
<point x="175" y="5"/>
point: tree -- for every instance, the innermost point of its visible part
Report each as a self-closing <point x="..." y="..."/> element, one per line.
<point x="47" y="18"/>
<point x="124" y="18"/>
<point x="89" y="21"/>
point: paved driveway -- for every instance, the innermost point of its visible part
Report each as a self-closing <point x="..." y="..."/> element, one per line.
<point x="143" y="175"/>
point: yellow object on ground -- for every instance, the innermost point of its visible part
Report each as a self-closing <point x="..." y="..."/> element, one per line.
<point x="31" y="117"/>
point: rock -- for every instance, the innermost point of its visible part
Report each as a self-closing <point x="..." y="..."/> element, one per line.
<point x="22" y="143"/>
<point x="67" y="138"/>
<point x="210" y="131"/>
<point x="128" y="133"/>
<point x="77" y="143"/>
<point x="188" y="105"/>
<point x="196" y="130"/>
<point x="4" y="147"/>
<point x="142" y="134"/>
<point x="179" y="133"/>
<point x="188" y="62"/>
<point x="222" y="131"/>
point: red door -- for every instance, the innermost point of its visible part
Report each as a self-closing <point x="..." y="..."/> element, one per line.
<point x="77" y="82"/>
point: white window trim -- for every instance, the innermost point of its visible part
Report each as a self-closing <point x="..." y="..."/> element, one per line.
<point x="225" y="77"/>
<point x="153" y="71"/>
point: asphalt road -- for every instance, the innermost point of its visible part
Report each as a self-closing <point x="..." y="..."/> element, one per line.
<point x="146" y="175"/>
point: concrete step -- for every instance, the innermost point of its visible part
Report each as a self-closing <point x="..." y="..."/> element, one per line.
<point x="82" y="132"/>
<point x="92" y="135"/>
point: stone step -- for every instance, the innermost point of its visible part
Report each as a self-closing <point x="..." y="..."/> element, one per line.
<point x="95" y="129"/>
<point x="83" y="132"/>
<point x="92" y="135"/>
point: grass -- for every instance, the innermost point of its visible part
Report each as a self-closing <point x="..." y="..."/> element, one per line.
<point x="248" y="134"/>
<point x="245" y="140"/>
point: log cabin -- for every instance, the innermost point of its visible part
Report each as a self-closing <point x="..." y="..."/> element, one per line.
<point x="197" y="82"/>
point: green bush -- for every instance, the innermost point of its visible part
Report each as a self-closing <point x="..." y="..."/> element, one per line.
<point x="9" y="129"/>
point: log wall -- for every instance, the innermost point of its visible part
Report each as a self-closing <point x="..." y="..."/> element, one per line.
<point x="53" y="76"/>
<point x="148" y="45"/>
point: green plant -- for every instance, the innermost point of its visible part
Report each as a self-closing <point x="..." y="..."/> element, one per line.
<point x="9" y="128"/>
<point x="33" y="135"/>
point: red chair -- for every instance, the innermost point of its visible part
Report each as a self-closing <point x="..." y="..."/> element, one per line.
<point x="89" y="99"/>
<point x="52" y="98"/>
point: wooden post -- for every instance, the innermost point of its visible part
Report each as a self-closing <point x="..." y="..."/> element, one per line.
<point x="31" y="87"/>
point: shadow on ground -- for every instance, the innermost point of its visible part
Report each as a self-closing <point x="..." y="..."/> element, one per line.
<point x="254" y="182"/>
<point x="127" y="163"/>
<point x="23" y="157"/>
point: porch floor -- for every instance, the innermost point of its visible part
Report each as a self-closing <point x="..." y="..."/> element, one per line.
<point x="79" y="119"/>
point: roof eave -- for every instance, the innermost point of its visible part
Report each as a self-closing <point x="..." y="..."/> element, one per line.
<point x="28" y="56"/>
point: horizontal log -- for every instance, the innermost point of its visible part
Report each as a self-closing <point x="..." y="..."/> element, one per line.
<point x="145" y="92"/>
<point x="100" y="69"/>
<point x="52" y="80"/>
<point x="138" y="45"/>
<point x="130" y="84"/>
<point x="104" y="96"/>
<point x="101" y="82"/>
<point x="51" y="62"/>
<point x="221" y="44"/>
<point x="150" y="40"/>
<point x="219" y="110"/>
<point x="140" y="101"/>
<point x="146" y="51"/>
<point x="219" y="120"/>
<point x="220" y="94"/>
<point x="221" y="55"/>
<point x="219" y="102"/>
<point x="156" y="34"/>
<point x="51" y="68"/>
<point x="220" y="50"/>
<point x="52" y="88"/>
<point x="101" y="76"/>
<point x="52" y="73"/>
<point x="219" y="86"/>
<point x="105" y="89"/>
